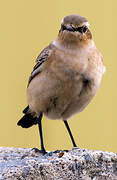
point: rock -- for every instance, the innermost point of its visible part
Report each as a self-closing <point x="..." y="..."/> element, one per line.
<point x="76" y="164"/>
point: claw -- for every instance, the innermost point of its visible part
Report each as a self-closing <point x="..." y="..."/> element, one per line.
<point x="39" y="151"/>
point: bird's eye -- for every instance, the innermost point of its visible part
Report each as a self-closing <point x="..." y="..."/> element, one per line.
<point x="82" y="29"/>
<point x="63" y="27"/>
<point x="85" y="29"/>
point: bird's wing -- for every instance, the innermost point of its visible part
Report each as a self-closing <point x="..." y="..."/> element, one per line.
<point x="43" y="56"/>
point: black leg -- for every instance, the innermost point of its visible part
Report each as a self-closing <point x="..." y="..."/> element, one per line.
<point x="69" y="131"/>
<point x="40" y="133"/>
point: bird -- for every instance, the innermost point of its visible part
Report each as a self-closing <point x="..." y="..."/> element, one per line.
<point x="65" y="78"/>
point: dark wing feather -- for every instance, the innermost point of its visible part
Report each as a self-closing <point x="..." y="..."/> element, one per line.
<point x="26" y="110"/>
<point x="28" y="120"/>
<point x="43" y="56"/>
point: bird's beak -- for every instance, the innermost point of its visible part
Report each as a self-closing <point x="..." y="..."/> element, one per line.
<point x="70" y="28"/>
<point x="67" y="28"/>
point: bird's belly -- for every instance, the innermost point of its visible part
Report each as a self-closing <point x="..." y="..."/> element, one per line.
<point x="59" y="98"/>
<point x="70" y="103"/>
<point x="59" y="103"/>
<point x="52" y="95"/>
<point x="80" y="101"/>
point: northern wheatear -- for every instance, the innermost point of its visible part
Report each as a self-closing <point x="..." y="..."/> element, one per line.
<point x="66" y="76"/>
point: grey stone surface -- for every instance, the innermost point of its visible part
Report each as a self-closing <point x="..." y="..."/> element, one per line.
<point x="76" y="164"/>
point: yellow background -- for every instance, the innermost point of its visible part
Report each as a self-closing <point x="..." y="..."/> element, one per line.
<point x="26" y="27"/>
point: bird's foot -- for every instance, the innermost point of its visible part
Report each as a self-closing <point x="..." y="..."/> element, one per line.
<point x="74" y="148"/>
<point x="43" y="151"/>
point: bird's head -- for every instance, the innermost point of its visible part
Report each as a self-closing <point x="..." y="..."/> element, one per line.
<point x="74" y="29"/>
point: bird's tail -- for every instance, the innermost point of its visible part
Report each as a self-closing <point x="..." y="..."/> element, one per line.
<point x="27" y="120"/>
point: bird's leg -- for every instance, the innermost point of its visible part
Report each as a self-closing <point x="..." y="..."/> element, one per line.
<point x="40" y="133"/>
<point x="70" y="133"/>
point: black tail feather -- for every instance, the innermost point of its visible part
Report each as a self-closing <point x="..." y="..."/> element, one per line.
<point x="27" y="121"/>
<point x="25" y="110"/>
